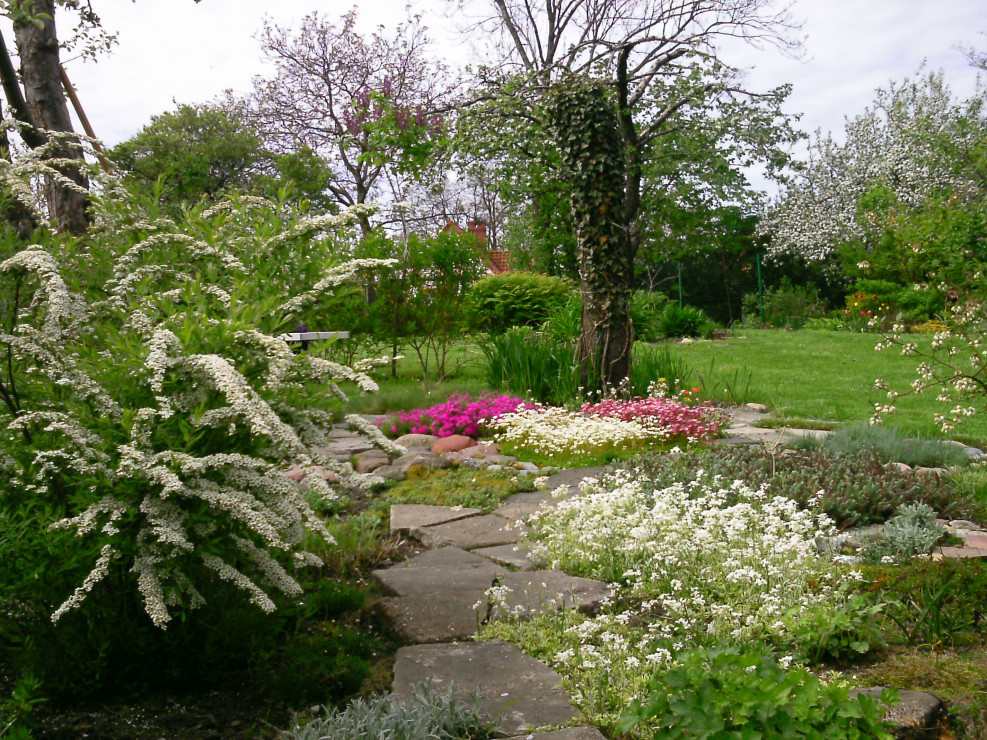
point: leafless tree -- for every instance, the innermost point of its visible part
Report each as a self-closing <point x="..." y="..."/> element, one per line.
<point x="332" y="88"/>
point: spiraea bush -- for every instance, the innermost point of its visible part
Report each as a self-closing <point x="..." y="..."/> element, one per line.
<point x="148" y="411"/>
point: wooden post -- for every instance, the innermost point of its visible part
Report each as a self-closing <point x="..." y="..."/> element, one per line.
<point x="84" y="120"/>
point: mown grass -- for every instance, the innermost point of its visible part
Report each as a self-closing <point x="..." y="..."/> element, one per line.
<point x="812" y="376"/>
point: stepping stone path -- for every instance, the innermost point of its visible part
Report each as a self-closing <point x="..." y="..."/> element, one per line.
<point x="442" y="596"/>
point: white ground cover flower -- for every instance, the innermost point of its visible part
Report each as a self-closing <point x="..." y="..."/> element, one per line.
<point x="693" y="564"/>
<point x="553" y="431"/>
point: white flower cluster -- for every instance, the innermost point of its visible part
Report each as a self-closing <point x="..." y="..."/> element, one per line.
<point x="554" y="431"/>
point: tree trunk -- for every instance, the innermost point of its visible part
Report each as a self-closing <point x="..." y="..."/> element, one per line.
<point x="594" y="156"/>
<point x="41" y="75"/>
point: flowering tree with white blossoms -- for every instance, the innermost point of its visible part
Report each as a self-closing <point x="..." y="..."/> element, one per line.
<point x="149" y="402"/>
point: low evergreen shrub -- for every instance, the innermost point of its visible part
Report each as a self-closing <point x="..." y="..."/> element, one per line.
<point x="684" y="321"/>
<point x="496" y="303"/>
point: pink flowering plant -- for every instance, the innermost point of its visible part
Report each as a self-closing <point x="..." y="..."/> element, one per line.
<point x="459" y="414"/>
<point x="676" y="420"/>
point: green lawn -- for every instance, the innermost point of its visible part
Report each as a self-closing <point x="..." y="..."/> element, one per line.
<point x="820" y="376"/>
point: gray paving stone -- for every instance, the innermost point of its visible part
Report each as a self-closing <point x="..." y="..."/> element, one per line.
<point x="470" y="534"/>
<point x="345" y="447"/>
<point x="518" y="511"/>
<point x="513" y="556"/>
<point x="405" y="581"/>
<point x="444" y="557"/>
<point x="540" y="498"/>
<point x="544" y="591"/>
<point x="572" y="733"/>
<point x="405" y="517"/>
<point x="572" y="478"/>
<point x="428" y="618"/>
<point x="515" y="687"/>
<point x="367" y="462"/>
<point x="473" y="463"/>
<point x="916" y="716"/>
<point x="735" y="442"/>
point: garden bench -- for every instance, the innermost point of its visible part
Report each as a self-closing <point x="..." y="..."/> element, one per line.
<point x="312" y="336"/>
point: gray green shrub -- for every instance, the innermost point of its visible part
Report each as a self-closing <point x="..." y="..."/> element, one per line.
<point x="427" y="715"/>
<point x="495" y="303"/>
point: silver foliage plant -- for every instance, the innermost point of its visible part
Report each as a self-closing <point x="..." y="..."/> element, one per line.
<point x="155" y="402"/>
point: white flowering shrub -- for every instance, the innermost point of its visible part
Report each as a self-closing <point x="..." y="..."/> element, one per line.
<point x="148" y="400"/>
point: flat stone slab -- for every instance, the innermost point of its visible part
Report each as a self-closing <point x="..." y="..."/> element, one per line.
<point x="405" y="581"/>
<point x="346" y="447"/>
<point x="544" y="591"/>
<point x="518" y="511"/>
<point x="513" y="556"/>
<point x="471" y="533"/>
<point x="444" y="557"/>
<point x="735" y="442"/>
<point x="916" y="716"/>
<point x="417" y="440"/>
<point x="428" y="618"/>
<point x="544" y="499"/>
<point x="572" y="478"/>
<point x="405" y="517"/>
<point x="521" y="691"/>
<point x="572" y="733"/>
<point x="958" y="553"/>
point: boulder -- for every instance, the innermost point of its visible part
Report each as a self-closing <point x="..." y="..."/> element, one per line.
<point x="454" y="443"/>
<point x="390" y="472"/>
<point x="915" y="717"/>
<point x="421" y="460"/>
<point x="417" y="440"/>
<point x="367" y="462"/>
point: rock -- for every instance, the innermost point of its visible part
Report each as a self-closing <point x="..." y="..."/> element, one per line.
<point x="930" y="475"/>
<point x="295" y="473"/>
<point x="546" y="591"/>
<point x="405" y="517"/>
<point x="757" y="408"/>
<point x="328" y="476"/>
<point x="367" y="462"/>
<point x="900" y="466"/>
<point x="421" y="460"/>
<point x="959" y="553"/>
<point x="513" y="556"/>
<point x="517" y="690"/>
<point x="470" y="534"/>
<point x="504" y="460"/>
<point x="572" y="478"/>
<point x="410" y="581"/>
<point x="572" y="733"/>
<point x="345" y="447"/>
<point x="526" y="467"/>
<point x="916" y="717"/>
<point x="453" y="443"/>
<point x="417" y="440"/>
<point x="541" y="499"/>
<point x="485" y="449"/>
<point x="473" y="463"/>
<point x="434" y="617"/>
<point x="976" y="541"/>
<point x="964" y="524"/>
<point x="390" y="472"/>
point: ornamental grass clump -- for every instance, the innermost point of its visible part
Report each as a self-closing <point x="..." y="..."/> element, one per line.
<point x="459" y="414"/>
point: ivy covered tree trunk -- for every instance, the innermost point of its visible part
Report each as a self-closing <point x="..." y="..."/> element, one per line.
<point x="588" y="130"/>
<point x="37" y="46"/>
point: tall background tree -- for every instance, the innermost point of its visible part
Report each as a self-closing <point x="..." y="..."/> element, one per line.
<point x="368" y="104"/>
<point x="662" y="71"/>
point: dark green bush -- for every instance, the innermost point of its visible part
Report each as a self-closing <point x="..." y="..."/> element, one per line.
<point x="857" y="488"/>
<point x="788" y="306"/>
<point x="726" y="693"/>
<point x="495" y="303"/>
<point x="684" y="321"/>
<point x="914" y="305"/>
<point x="646" y="312"/>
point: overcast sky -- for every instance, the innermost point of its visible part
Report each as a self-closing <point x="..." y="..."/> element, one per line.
<point x="186" y="52"/>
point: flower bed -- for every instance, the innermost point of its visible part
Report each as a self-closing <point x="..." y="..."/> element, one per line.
<point x="696" y="566"/>
<point x="460" y="414"/>
<point x="676" y="419"/>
